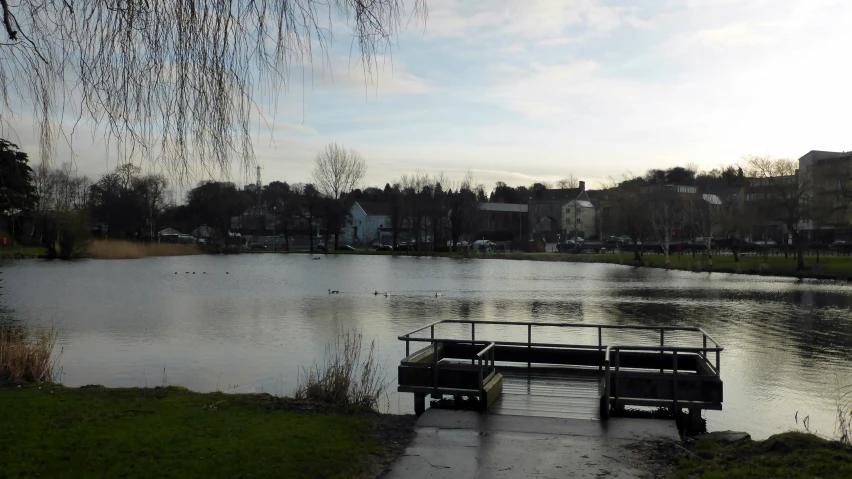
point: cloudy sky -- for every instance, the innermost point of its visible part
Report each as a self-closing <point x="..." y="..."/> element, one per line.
<point x="524" y="90"/>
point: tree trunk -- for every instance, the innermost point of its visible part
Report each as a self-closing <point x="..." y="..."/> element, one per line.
<point x="735" y="250"/>
<point x="800" y="253"/>
<point x="311" y="234"/>
<point x="636" y="255"/>
<point x="709" y="251"/>
<point x="434" y="233"/>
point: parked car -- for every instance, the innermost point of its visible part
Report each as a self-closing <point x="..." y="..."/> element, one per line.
<point x="840" y="245"/>
<point x="613" y="240"/>
<point x="258" y="246"/>
<point x="345" y="247"/>
<point x="483" y="246"/>
<point x="700" y="240"/>
<point x="577" y="240"/>
<point x="384" y="247"/>
<point x="626" y="239"/>
<point x="567" y="245"/>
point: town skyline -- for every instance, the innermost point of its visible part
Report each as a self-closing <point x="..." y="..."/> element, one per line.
<point x="536" y="92"/>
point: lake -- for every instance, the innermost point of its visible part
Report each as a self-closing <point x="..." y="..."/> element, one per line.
<point x="252" y="321"/>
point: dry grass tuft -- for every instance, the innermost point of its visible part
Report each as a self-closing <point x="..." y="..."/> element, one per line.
<point x="349" y="377"/>
<point x="25" y="355"/>
<point x="116" y="249"/>
<point x="844" y="414"/>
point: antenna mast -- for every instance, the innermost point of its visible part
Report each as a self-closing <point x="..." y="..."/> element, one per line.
<point x="259" y="185"/>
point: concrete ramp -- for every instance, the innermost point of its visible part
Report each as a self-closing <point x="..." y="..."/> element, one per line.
<point x="465" y="444"/>
<point x="549" y="395"/>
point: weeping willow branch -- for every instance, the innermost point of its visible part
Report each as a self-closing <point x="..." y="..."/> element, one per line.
<point x="175" y="82"/>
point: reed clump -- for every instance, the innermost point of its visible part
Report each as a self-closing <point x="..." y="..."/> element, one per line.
<point x="118" y="249"/>
<point x="348" y="377"/>
<point x="26" y="355"/>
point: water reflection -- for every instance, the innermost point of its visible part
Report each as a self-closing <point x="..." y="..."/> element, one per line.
<point x="133" y="322"/>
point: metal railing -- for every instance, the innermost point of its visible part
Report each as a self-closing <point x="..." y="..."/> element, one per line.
<point x="611" y="366"/>
<point x="483" y="362"/>
<point x="703" y="350"/>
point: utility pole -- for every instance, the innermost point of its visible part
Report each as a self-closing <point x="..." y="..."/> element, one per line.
<point x="259" y="186"/>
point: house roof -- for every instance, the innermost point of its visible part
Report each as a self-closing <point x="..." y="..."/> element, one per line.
<point x="169" y="232"/>
<point x="581" y="203"/>
<point x="553" y="194"/>
<point x="374" y="208"/>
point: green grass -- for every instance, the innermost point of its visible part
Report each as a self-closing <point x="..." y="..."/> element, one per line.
<point x="788" y="455"/>
<point x="27" y="251"/>
<point x="53" y="431"/>
<point x="827" y="267"/>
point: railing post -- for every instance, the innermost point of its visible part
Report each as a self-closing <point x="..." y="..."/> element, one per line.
<point x="617" y="374"/>
<point x="718" y="371"/>
<point x="600" y="344"/>
<point x="481" y="377"/>
<point x="472" y="338"/>
<point x="705" y="346"/>
<point x="529" y="346"/>
<point x="674" y="379"/>
<point x="662" y="353"/>
<point x="432" y="332"/>
<point x="435" y="365"/>
<point x="407" y="353"/>
<point x="607" y="390"/>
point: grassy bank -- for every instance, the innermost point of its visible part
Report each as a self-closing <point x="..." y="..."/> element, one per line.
<point x="828" y="267"/>
<point x="23" y="252"/>
<point x="791" y="455"/>
<point x="116" y="249"/>
<point x="53" y="431"/>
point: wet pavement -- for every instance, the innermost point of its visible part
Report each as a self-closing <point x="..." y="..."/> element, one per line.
<point x="465" y="444"/>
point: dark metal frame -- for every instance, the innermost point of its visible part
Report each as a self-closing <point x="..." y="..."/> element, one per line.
<point x="611" y="368"/>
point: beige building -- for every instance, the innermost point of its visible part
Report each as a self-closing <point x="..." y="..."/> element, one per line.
<point x="579" y="218"/>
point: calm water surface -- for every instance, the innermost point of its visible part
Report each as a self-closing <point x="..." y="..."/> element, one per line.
<point x="137" y="323"/>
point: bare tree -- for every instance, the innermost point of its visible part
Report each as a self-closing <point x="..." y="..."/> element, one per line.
<point x="663" y="213"/>
<point x="337" y="172"/>
<point x="173" y="81"/>
<point x="785" y="198"/>
<point x="570" y="181"/>
<point x="706" y="215"/>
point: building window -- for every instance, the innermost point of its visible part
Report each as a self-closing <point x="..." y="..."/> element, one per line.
<point x="568" y="210"/>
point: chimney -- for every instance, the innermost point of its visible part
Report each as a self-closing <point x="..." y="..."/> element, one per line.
<point x="582" y="186"/>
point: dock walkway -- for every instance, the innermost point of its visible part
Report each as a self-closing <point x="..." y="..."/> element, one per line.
<point x="548" y="395"/>
<point x="466" y="444"/>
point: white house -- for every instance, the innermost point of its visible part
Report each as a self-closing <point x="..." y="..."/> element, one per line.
<point x="579" y="217"/>
<point x="368" y="220"/>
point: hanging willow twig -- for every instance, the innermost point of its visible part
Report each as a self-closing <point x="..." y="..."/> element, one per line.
<point x="169" y="80"/>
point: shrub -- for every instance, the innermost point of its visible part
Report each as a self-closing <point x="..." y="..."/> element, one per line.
<point x="26" y="355"/>
<point x="349" y="376"/>
<point x="119" y="249"/>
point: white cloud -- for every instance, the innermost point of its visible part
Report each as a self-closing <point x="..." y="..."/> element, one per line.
<point x="733" y="36"/>
<point x="383" y="76"/>
<point x="529" y="18"/>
